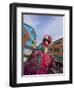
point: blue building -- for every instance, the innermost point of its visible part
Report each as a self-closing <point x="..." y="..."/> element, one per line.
<point x="30" y="30"/>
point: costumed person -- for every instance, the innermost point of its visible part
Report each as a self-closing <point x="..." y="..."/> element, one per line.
<point x="40" y="61"/>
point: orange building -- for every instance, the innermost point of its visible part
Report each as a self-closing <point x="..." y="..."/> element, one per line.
<point x="57" y="47"/>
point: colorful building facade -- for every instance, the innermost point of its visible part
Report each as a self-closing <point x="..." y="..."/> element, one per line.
<point x="29" y="35"/>
<point x="57" y="47"/>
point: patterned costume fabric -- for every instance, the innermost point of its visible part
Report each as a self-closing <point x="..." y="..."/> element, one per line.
<point x="38" y="63"/>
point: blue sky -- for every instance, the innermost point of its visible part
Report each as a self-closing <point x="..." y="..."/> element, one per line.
<point x="45" y="24"/>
